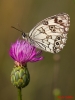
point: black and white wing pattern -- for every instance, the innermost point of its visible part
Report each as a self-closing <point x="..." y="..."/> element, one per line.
<point x="51" y="33"/>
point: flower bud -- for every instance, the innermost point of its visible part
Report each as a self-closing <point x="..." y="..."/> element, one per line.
<point x="20" y="76"/>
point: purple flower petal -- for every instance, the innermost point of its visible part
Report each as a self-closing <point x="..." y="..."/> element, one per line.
<point x="22" y="52"/>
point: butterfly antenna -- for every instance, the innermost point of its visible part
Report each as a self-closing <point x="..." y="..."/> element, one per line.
<point x="16" y="29"/>
<point x="19" y="27"/>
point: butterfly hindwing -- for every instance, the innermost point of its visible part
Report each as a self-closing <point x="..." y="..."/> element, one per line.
<point x="51" y="33"/>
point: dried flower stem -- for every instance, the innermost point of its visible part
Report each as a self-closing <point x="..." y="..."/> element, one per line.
<point x="19" y="94"/>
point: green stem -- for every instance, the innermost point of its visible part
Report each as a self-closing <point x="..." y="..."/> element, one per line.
<point x="19" y="94"/>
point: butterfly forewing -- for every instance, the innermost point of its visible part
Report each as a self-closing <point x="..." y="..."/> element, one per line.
<point x="51" y="33"/>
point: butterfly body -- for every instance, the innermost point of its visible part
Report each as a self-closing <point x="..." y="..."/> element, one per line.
<point x="51" y="33"/>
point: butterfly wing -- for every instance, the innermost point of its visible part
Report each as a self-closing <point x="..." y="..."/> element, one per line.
<point x="51" y="33"/>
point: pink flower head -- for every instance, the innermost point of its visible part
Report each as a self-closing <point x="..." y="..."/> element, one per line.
<point x="22" y="52"/>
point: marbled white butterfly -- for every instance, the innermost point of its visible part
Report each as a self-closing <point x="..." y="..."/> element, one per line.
<point x="50" y="34"/>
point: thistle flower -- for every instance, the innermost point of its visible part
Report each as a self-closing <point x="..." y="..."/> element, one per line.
<point x="22" y="52"/>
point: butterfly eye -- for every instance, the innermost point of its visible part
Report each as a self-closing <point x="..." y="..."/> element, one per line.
<point x="23" y="35"/>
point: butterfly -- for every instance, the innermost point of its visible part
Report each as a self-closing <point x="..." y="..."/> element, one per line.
<point x="50" y="34"/>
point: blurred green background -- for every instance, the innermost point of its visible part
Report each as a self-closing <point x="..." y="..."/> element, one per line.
<point x="55" y="71"/>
